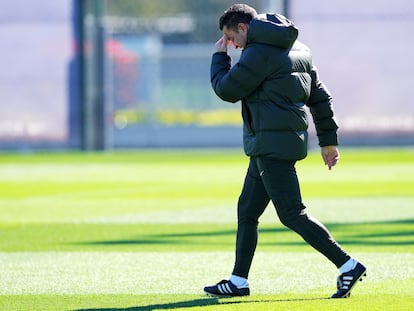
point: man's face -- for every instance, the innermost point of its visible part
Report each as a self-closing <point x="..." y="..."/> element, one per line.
<point x="239" y="37"/>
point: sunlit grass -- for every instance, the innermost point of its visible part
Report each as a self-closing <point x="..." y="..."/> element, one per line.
<point x="147" y="230"/>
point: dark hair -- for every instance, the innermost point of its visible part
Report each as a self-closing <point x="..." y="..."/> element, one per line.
<point x="237" y="13"/>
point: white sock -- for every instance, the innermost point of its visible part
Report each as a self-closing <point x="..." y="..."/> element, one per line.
<point x="239" y="281"/>
<point x="348" y="266"/>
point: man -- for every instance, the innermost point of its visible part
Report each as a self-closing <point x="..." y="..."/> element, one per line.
<point x="274" y="79"/>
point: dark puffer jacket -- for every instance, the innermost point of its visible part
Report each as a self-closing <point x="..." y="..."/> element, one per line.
<point x="274" y="79"/>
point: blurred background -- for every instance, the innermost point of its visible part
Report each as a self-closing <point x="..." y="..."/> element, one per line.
<point x="112" y="74"/>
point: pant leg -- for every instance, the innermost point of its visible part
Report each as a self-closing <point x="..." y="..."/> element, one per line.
<point x="281" y="183"/>
<point x="252" y="203"/>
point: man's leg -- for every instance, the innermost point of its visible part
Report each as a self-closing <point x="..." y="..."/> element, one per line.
<point x="281" y="183"/>
<point x="252" y="203"/>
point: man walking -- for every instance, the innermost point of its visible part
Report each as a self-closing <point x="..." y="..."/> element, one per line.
<point x="275" y="79"/>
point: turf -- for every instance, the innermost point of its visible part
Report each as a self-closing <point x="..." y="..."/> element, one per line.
<point x="146" y="230"/>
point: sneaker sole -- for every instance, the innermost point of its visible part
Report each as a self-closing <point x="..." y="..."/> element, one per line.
<point x="216" y="296"/>
<point x="223" y="296"/>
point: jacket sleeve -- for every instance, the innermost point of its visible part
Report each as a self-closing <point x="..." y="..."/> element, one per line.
<point x="320" y="105"/>
<point x="234" y="83"/>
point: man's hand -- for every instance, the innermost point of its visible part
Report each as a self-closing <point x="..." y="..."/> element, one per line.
<point x="221" y="44"/>
<point x="330" y="155"/>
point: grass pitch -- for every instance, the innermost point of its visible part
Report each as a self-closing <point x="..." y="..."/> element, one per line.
<point x="147" y="230"/>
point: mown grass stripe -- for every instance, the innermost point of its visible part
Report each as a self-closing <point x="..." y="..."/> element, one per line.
<point x="179" y="273"/>
<point x="81" y="209"/>
<point x="337" y="210"/>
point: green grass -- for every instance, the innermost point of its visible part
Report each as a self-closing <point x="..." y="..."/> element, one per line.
<point x="147" y="230"/>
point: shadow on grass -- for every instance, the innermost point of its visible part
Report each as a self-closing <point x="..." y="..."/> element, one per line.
<point x="198" y="303"/>
<point x="376" y="234"/>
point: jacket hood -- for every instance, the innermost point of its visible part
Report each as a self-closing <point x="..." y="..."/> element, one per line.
<point x="272" y="29"/>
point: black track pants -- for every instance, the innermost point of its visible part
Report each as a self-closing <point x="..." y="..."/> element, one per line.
<point x="276" y="180"/>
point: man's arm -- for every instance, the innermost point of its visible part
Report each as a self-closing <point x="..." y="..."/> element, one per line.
<point x="320" y="104"/>
<point x="233" y="83"/>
